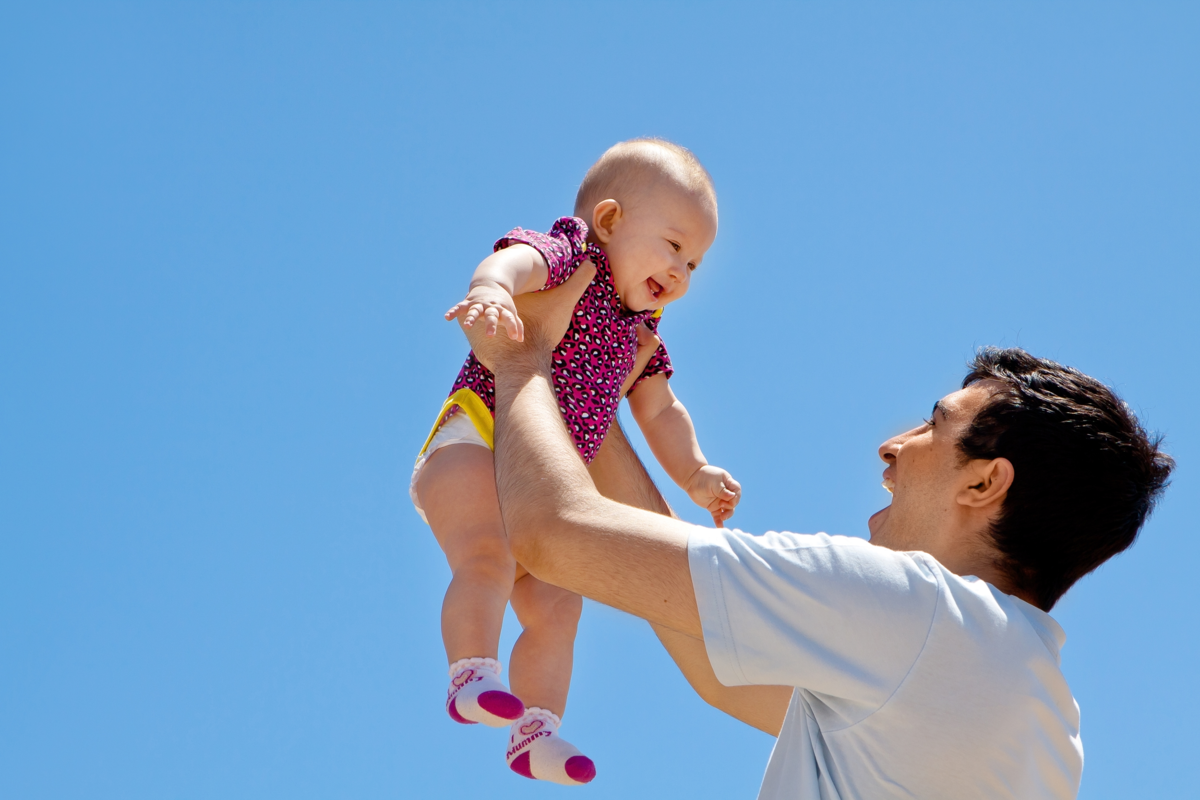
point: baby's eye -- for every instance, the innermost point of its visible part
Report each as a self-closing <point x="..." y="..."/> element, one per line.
<point x="691" y="266"/>
<point x="675" y="245"/>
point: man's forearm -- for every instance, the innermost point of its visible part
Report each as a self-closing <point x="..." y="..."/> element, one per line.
<point x="619" y="474"/>
<point x="763" y="707"/>
<point x="561" y="529"/>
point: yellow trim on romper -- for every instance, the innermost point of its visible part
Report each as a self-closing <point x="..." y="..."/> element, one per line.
<point x="476" y="410"/>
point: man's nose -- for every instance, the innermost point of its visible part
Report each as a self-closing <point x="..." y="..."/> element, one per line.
<point x="889" y="449"/>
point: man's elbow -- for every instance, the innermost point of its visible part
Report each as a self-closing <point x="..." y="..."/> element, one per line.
<point x="525" y="523"/>
<point x="528" y="521"/>
<point x="537" y="522"/>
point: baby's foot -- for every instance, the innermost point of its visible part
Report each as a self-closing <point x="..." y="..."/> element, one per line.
<point x="477" y="695"/>
<point x="535" y="750"/>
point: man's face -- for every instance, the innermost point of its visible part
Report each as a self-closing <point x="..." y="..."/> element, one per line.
<point x="925" y="476"/>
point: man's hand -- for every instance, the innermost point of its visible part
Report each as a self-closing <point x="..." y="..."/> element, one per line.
<point x="546" y="317"/>
<point x="715" y="489"/>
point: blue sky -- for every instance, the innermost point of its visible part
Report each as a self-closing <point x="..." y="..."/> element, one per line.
<point x="228" y="232"/>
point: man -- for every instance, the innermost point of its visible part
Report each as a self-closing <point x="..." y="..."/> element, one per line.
<point x="921" y="664"/>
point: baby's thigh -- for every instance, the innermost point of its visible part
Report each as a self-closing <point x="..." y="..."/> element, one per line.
<point x="457" y="490"/>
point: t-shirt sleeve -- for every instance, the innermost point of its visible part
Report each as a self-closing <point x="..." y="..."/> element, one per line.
<point x="564" y="247"/>
<point x="660" y="362"/>
<point x="830" y="614"/>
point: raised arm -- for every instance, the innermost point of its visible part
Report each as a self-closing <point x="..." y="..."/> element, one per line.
<point x="559" y="527"/>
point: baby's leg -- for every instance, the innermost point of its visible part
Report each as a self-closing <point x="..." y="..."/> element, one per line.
<point x="544" y="654"/>
<point x="457" y="490"/>
<point x="541" y="675"/>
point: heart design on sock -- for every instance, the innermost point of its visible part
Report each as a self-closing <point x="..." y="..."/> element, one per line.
<point x="463" y="678"/>
<point x="531" y="727"/>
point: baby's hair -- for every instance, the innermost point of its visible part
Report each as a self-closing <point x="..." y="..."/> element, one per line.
<point x="627" y="167"/>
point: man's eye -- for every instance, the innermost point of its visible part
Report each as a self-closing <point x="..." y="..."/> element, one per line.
<point x="929" y="422"/>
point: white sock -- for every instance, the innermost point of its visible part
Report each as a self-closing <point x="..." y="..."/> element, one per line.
<point x="476" y="694"/>
<point x="535" y="750"/>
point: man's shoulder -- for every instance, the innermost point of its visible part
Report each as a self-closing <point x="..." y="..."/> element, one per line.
<point x="849" y="555"/>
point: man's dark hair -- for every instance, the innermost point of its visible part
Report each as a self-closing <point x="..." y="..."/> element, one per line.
<point x="1087" y="473"/>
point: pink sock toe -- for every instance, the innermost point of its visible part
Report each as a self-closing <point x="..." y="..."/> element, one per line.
<point x="501" y="704"/>
<point x="580" y="768"/>
<point x="535" y="750"/>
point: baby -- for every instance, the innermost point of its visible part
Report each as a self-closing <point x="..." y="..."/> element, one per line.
<point x="645" y="215"/>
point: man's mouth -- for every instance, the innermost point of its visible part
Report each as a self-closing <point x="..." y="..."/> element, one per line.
<point x="890" y="485"/>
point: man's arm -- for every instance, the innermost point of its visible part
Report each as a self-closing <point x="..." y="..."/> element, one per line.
<point x="559" y="527"/>
<point x="563" y="531"/>
<point x="762" y="707"/>
<point x="620" y="475"/>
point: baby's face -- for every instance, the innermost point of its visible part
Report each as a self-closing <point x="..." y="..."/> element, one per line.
<point x="656" y="245"/>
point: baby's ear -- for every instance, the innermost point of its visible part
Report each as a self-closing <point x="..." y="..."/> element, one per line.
<point x="605" y="217"/>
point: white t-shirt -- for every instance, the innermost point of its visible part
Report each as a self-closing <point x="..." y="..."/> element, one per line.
<point x="911" y="681"/>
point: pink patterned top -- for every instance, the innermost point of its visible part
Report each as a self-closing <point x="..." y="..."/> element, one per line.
<point x="595" y="357"/>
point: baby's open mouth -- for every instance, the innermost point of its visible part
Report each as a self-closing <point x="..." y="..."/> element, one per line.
<point x="655" y="288"/>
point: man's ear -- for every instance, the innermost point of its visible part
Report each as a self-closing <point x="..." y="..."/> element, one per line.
<point x="605" y="217"/>
<point x="990" y="481"/>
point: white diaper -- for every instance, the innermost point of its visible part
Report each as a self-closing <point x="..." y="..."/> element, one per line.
<point x="458" y="430"/>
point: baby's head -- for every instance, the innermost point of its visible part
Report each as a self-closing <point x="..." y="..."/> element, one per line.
<point x="650" y="205"/>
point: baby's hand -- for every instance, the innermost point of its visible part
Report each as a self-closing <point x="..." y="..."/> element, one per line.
<point x="495" y="305"/>
<point x="715" y="489"/>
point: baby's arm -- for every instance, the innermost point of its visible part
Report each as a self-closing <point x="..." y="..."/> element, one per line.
<point x="515" y="270"/>
<point x="672" y="437"/>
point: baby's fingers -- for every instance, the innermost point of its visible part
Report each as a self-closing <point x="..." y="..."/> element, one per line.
<point x="462" y="306"/>
<point x="514" y="326"/>
<point x="473" y="312"/>
<point x="492" y="316"/>
<point x="720" y="506"/>
<point x="719" y="516"/>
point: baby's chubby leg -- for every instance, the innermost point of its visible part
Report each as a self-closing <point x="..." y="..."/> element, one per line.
<point x="457" y="490"/>
<point x="541" y="674"/>
<point x="543" y="656"/>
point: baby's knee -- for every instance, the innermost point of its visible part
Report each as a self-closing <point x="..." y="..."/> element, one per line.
<point x="541" y="605"/>
<point x="486" y="560"/>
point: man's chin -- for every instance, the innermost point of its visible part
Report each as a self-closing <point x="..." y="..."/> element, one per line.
<point x="877" y="521"/>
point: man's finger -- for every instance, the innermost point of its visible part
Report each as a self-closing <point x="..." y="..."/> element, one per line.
<point x="548" y="314"/>
<point x="545" y="317"/>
